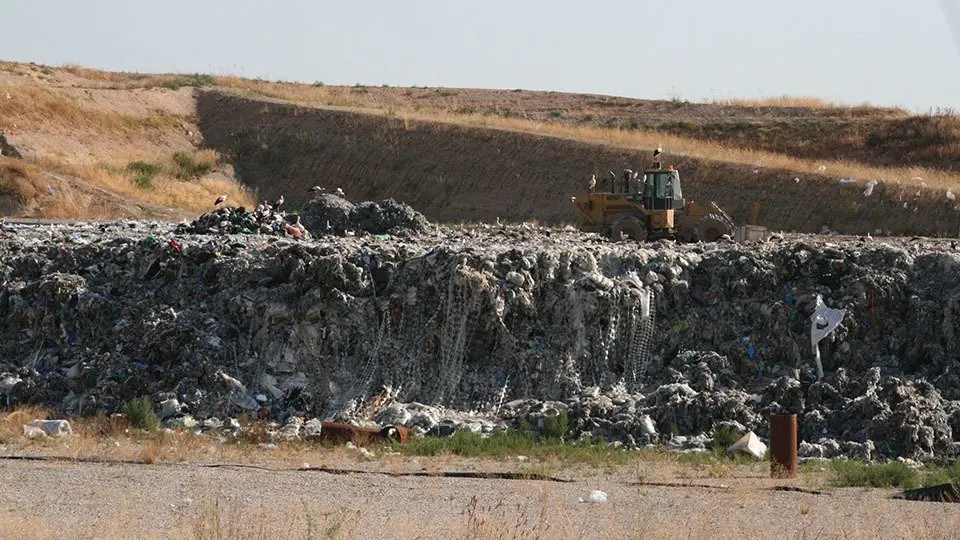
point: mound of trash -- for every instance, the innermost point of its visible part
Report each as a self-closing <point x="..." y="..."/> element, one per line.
<point x="262" y="220"/>
<point x="519" y="325"/>
<point x="329" y="214"/>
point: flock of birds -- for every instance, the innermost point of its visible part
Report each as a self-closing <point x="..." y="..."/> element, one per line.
<point x="592" y="184"/>
<point x="279" y="202"/>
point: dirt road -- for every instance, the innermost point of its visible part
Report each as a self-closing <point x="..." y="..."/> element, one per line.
<point x="90" y="500"/>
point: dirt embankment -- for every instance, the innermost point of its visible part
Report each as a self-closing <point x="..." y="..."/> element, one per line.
<point x="804" y="128"/>
<point x="453" y="173"/>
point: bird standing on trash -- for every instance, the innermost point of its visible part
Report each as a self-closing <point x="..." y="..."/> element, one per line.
<point x="339" y="192"/>
<point x="658" y="151"/>
<point x="279" y="202"/>
<point x="220" y="199"/>
<point x="592" y="184"/>
<point x="316" y="189"/>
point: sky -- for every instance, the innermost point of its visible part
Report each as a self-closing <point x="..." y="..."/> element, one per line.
<point x="885" y="52"/>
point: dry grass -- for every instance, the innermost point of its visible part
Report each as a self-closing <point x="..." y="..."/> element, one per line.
<point x="18" y="180"/>
<point x="42" y="106"/>
<point x="804" y="102"/>
<point x="164" y="189"/>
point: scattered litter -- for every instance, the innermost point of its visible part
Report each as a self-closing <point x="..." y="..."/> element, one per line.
<point x="596" y="496"/>
<point x="870" y="185"/>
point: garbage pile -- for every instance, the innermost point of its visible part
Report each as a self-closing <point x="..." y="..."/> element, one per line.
<point x="480" y="327"/>
<point x="327" y="213"/>
<point x="262" y="220"/>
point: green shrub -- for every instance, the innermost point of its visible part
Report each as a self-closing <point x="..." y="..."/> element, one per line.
<point x="556" y="427"/>
<point x="190" y="168"/>
<point x="143" y="173"/>
<point x="140" y="413"/>
<point x="723" y="437"/>
<point x="878" y="475"/>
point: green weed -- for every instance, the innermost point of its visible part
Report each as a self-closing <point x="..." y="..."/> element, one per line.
<point x="140" y="414"/>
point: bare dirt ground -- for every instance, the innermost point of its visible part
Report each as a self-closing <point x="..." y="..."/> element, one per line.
<point x="91" y="500"/>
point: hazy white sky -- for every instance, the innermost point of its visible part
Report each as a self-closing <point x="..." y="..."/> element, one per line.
<point x="886" y="52"/>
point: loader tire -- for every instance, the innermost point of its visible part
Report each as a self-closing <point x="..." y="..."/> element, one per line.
<point x="710" y="228"/>
<point x="628" y="228"/>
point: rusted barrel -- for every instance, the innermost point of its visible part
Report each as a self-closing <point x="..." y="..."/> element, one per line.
<point x="783" y="445"/>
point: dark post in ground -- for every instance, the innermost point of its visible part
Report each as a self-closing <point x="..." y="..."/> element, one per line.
<point x="783" y="445"/>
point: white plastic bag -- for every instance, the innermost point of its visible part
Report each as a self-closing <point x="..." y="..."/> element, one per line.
<point x="823" y="321"/>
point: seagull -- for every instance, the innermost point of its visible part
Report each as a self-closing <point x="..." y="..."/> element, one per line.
<point x="279" y="202"/>
<point x="220" y="199"/>
<point x="593" y="183"/>
<point x="316" y="189"/>
<point x="339" y="192"/>
<point x="658" y="151"/>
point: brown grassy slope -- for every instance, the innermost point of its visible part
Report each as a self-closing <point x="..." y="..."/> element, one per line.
<point x="458" y="173"/>
<point x="807" y="128"/>
<point x="83" y="143"/>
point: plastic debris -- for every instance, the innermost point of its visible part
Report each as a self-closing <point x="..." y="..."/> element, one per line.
<point x="823" y="321"/>
<point x="33" y="432"/>
<point x="51" y="428"/>
<point x="748" y="444"/>
<point x="596" y="496"/>
<point x="869" y="190"/>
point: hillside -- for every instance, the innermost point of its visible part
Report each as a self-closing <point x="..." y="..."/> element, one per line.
<point x="99" y="144"/>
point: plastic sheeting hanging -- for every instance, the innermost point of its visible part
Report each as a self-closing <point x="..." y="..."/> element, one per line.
<point x="823" y="321"/>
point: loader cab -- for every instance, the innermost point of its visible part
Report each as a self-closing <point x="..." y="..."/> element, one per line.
<point x="661" y="189"/>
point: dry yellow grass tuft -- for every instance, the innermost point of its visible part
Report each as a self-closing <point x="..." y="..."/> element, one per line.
<point x="17" y="180"/>
<point x="801" y="102"/>
<point x="11" y="424"/>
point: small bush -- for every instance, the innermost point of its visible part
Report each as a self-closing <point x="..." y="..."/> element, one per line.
<point x="556" y="427"/>
<point x="189" y="167"/>
<point x="556" y="113"/>
<point x="140" y="414"/>
<point x="878" y="475"/>
<point x="723" y="437"/>
<point x="143" y="173"/>
<point x="934" y="476"/>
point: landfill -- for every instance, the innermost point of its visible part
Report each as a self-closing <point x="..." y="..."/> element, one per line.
<point x="378" y="317"/>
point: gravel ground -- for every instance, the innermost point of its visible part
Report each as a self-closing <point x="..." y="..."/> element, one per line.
<point x="72" y="500"/>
